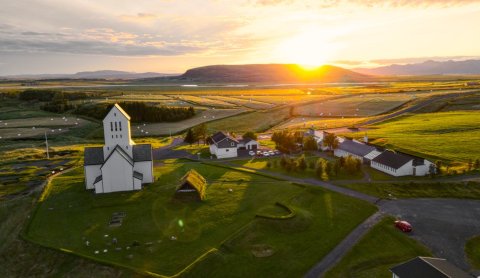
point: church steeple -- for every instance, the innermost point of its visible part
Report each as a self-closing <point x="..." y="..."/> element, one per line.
<point x="116" y="130"/>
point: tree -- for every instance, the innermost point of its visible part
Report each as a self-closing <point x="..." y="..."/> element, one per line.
<point x="438" y="166"/>
<point x="470" y="165"/>
<point x="249" y="135"/>
<point x="330" y="141"/>
<point x="309" y="144"/>
<point x="328" y="168"/>
<point x="302" y="164"/>
<point x="476" y="165"/>
<point x="311" y="164"/>
<point x="336" y="167"/>
<point x="283" y="161"/>
<point x="189" y="137"/>
<point x="319" y="168"/>
<point x="200" y="132"/>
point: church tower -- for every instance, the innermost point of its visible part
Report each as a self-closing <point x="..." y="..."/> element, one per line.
<point x="116" y="130"/>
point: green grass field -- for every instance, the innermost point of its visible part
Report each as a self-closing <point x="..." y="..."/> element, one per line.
<point x="424" y="189"/>
<point x="472" y="249"/>
<point x="450" y="136"/>
<point x="225" y="221"/>
<point x="380" y="249"/>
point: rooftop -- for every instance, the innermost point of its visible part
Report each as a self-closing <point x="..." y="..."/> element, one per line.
<point x="425" y="267"/>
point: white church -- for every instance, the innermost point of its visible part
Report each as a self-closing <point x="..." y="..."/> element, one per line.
<point x="120" y="165"/>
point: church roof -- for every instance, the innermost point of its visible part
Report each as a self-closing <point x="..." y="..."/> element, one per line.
<point x="137" y="175"/>
<point x="93" y="156"/>
<point x="121" y="110"/>
<point x="122" y="153"/>
<point x="142" y="152"/>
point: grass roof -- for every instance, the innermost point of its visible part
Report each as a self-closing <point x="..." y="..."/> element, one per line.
<point x="196" y="180"/>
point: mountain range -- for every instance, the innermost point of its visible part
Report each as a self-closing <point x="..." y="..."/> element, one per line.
<point x="466" y="67"/>
<point x="100" y="74"/>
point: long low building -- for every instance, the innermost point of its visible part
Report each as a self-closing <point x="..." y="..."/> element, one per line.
<point x="390" y="162"/>
<point x="400" y="164"/>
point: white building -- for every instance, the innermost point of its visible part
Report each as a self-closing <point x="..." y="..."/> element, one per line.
<point x="318" y="136"/>
<point x="248" y="144"/>
<point x="399" y="164"/>
<point x="223" y="145"/>
<point x="357" y="149"/>
<point x="120" y="165"/>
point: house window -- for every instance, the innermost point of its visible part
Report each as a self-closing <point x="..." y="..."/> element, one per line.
<point x="120" y="125"/>
<point x="115" y="126"/>
<point x="127" y="147"/>
<point x="227" y="150"/>
<point x="232" y="144"/>
<point x="108" y="148"/>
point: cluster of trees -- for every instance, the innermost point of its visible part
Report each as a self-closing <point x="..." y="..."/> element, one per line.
<point x="289" y="142"/>
<point x="196" y="134"/>
<point x="58" y="104"/>
<point x="286" y="141"/>
<point x="50" y="94"/>
<point x="322" y="167"/>
<point x="139" y="112"/>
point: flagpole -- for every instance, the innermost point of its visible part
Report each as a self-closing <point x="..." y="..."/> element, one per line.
<point x="46" y="144"/>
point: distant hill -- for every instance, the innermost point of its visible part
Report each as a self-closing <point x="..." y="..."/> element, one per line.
<point x="270" y="73"/>
<point x="467" y="67"/>
<point x="101" y="74"/>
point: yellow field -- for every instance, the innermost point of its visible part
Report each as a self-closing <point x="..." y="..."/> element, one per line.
<point x="354" y="106"/>
<point x="250" y="103"/>
<point x="318" y="123"/>
<point x="202" y="100"/>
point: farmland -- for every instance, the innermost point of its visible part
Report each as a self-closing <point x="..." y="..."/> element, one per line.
<point x="223" y="229"/>
<point x="452" y="136"/>
<point x="353" y="106"/>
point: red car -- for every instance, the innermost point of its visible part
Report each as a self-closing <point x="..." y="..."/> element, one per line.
<point x="403" y="226"/>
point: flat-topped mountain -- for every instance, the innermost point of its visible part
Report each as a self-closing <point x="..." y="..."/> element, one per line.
<point x="278" y="73"/>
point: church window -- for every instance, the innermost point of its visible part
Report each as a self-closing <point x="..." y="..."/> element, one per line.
<point x="120" y="125"/>
<point x="120" y="135"/>
<point x="115" y="114"/>
<point x="116" y="136"/>
<point x="115" y="126"/>
<point x="112" y="135"/>
<point x="111" y="126"/>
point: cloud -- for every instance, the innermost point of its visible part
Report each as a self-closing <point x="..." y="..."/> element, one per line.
<point x="139" y="18"/>
<point x="367" y="3"/>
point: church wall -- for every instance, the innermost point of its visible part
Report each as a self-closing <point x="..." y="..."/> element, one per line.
<point x="146" y="168"/>
<point x="91" y="173"/>
<point x="117" y="174"/>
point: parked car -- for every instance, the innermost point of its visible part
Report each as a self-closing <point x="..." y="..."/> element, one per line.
<point x="266" y="154"/>
<point x="277" y="152"/>
<point x="271" y="152"/>
<point x="252" y="153"/>
<point x="403" y="226"/>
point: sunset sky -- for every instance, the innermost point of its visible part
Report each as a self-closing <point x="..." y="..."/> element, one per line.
<point x="58" y="36"/>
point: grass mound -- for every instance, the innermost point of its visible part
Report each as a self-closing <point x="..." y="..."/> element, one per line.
<point x="472" y="249"/>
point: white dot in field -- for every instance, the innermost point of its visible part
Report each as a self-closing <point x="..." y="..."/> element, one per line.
<point x="96" y="252"/>
<point x="51" y="119"/>
<point x="33" y="128"/>
<point x="146" y="132"/>
<point x="6" y="123"/>
<point x="19" y="134"/>
<point x="0" y="137"/>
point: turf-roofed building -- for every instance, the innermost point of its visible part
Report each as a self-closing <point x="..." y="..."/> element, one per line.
<point x="119" y="165"/>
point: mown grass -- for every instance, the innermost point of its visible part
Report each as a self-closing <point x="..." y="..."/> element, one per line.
<point x="70" y="215"/>
<point x="380" y="249"/>
<point x="274" y="166"/>
<point x="472" y="249"/>
<point x="469" y="190"/>
<point x="450" y="136"/>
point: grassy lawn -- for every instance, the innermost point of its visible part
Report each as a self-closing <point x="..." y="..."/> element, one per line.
<point x="380" y="249"/>
<point x="37" y="261"/>
<point x="261" y="164"/>
<point x="451" y="136"/>
<point x="472" y="249"/>
<point x="69" y="215"/>
<point x="471" y="190"/>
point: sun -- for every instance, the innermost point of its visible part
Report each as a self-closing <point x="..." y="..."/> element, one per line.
<point x="306" y="49"/>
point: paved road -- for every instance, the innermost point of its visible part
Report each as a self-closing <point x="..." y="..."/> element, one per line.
<point x="444" y="225"/>
<point x="167" y="152"/>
